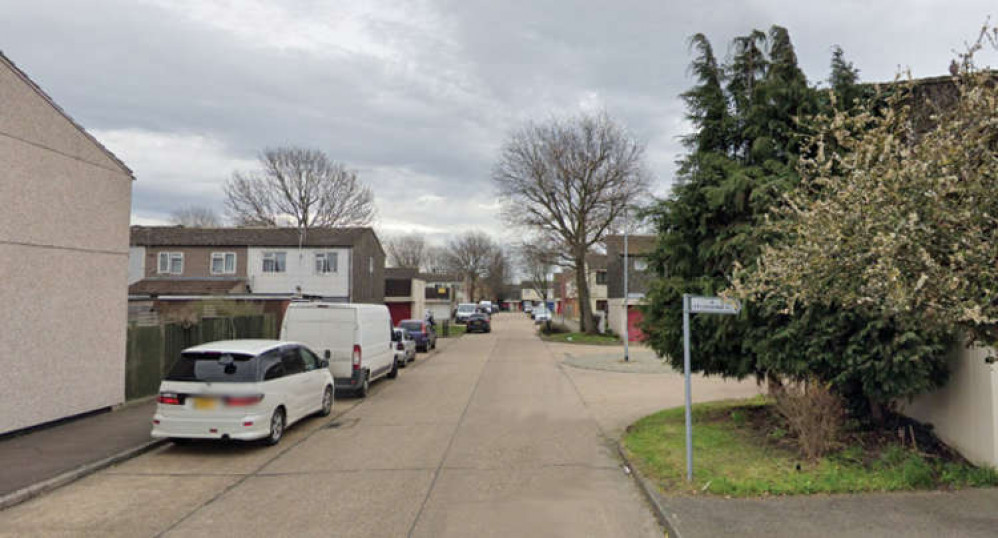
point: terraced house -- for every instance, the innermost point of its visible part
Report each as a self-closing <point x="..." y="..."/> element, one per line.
<point x="335" y="264"/>
<point x="63" y="254"/>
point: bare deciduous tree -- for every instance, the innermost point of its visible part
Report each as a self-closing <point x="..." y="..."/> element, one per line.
<point x="497" y="272"/>
<point x="538" y="260"/>
<point x="300" y="187"/>
<point x="468" y="256"/>
<point x="570" y="180"/>
<point x="196" y="217"/>
<point x="407" y="251"/>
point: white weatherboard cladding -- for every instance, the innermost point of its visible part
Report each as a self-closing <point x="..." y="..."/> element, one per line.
<point x="299" y="271"/>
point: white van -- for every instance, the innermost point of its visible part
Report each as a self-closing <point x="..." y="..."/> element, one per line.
<point x="357" y="336"/>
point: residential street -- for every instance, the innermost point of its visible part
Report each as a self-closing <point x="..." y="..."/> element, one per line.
<point x="488" y="437"/>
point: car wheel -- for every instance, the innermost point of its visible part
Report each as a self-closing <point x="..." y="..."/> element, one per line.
<point x="277" y="426"/>
<point x="180" y="441"/>
<point x="394" y="372"/>
<point x="434" y="344"/>
<point x="364" y="387"/>
<point x="327" y="402"/>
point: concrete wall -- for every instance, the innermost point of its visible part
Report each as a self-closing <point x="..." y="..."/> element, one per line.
<point x="63" y="261"/>
<point x="963" y="412"/>
<point x="300" y="272"/>
<point x="136" y="264"/>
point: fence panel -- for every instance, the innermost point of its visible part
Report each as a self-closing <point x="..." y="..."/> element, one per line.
<point x="143" y="361"/>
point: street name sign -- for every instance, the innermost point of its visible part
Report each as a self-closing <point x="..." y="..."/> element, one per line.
<point x="714" y="305"/>
<point x="693" y="304"/>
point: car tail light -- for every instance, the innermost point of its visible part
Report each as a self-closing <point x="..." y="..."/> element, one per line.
<point x="422" y="328"/>
<point x="399" y="346"/>
<point x="243" y="401"/>
<point x="168" y="398"/>
<point x="356" y="357"/>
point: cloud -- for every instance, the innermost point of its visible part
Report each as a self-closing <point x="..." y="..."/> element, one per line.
<point x="417" y="95"/>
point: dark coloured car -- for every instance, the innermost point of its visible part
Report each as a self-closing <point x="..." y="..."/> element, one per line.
<point x="479" y="322"/>
<point x="422" y="332"/>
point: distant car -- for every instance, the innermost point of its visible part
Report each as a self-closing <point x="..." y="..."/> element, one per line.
<point x="479" y="322"/>
<point x="528" y="308"/>
<point x="422" y="332"/>
<point x="242" y="390"/>
<point x="464" y="310"/>
<point x="541" y="315"/>
<point x="405" y="346"/>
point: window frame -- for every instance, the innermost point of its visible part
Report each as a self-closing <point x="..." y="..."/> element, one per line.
<point x="328" y="268"/>
<point x="601" y="278"/>
<point x="224" y="255"/>
<point x="170" y="257"/>
<point x="643" y="264"/>
<point x="274" y="256"/>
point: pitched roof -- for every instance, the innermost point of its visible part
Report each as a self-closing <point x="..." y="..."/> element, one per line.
<point x="181" y="236"/>
<point x="41" y="93"/>
<point x="187" y="286"/>
<point x="636" y="244"/>
<point x="439" y="277"/>
<point x="403" y="273"/>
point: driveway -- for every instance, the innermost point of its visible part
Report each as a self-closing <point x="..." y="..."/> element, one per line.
<point x="491" y="436"/>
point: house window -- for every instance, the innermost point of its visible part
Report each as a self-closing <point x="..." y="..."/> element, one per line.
<point x="601" y="305"/>
<point x="274" y="262"/>
<point x="223" y="263"/>
<point x="326" y="262"/>
<point x="171" y="263"/>
<point x="600" y="278"/>
<point x="640" y="264"/>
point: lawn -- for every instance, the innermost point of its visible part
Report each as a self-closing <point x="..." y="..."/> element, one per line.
<point x="582" y="338"/>
<point x="454" y="331"/>
<point x="741" y="450"/>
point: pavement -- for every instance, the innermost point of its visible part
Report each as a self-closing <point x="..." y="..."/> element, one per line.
<point x="46" y="453"/>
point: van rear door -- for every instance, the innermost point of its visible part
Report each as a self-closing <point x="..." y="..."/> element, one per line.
<point x="322" y="327"/>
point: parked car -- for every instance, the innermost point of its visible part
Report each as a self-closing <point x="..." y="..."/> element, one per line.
<point x="479" y="322"/>
<point x="242" y="390"/>
<point x="405" y="346"/>
<point x="422" y="332"/>
<point x="542" y="314"/>
<point x="463" y="311"/>
<point x="358" y="336"/>
<point x="528" y="308"/>
<point x="485" y="306"/>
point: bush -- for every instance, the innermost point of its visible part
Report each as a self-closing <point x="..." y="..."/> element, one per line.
<point x="814" y="414"/>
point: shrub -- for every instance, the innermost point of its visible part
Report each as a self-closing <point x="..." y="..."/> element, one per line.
<point x="814" y="414"/>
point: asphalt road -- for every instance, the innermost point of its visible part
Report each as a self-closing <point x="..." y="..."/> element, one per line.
<point x="489" y="436"/>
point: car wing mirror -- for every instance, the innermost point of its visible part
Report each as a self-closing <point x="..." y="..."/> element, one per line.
<point x="324" y="363"/>
<point x="327" y="355"/>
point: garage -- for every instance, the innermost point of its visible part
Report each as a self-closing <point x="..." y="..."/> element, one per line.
<point x="399" y="311"/>
<point x="634" y="319"/>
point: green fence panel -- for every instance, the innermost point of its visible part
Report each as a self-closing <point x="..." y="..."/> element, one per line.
<point x="143" y="361"/>
<point x="178" y="337"/>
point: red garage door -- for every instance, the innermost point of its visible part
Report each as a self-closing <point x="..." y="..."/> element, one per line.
<point x="634" y="318"/>
<point x="399" y="311"/>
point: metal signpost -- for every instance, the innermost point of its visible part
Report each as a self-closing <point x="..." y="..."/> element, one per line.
<point x="698" y="305"/>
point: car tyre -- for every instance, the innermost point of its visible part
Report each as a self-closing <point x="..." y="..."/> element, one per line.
<point x="180" y="441"/>
<point x="277" y="426"/>
<point x="327" y="402"/>
<point x="364" y="387"/>
<point x="394" y="372"/>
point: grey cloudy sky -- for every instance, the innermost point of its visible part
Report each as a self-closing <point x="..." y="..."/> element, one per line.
<point x="416" y="95"/>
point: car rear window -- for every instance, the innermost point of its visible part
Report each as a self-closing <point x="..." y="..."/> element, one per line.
<point x="412" y="325"/>
<point x="214" y="367"/>
<point x="466" y="308"/>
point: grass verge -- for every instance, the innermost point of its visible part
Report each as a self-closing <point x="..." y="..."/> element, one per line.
<point x="741" y="450"/>
<point x="454" y="330"/>
<point x="581" y="338"/>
